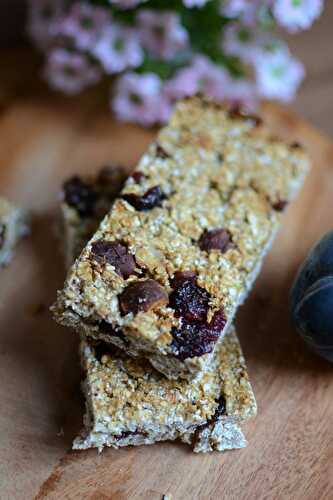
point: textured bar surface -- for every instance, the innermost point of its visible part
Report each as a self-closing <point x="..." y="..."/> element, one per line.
<point x="169" y="265"/>
<point x="13" y="226"/>
<point x="129" y="403"/>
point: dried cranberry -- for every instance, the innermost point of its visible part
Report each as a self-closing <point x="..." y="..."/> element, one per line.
<point x="142" y="296"/>
<point x="116" y="254"/>
<point x="137" y="177"/>
<point x="150" y="199"/>
<point x="2" y="234"/>
<point x="279" y="205"/>
<point x="81" y="196"/>
<point x="181" y="276"/>
<point x="108" y="329"/>
<point x="193" y="338"/>
<point x="190" y="301"/>
<point x="161" y="152"/>
<point x="215" y="239"/>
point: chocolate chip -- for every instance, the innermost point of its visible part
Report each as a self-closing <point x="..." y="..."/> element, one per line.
<point x="142" y="296"/>
<point x="240" y="114"/>
<point x="108" y="329"/>
<point x="215" y="239"/>
<point x="116" y="254"/>
<point x="190" y="301"/>
<point x="2" y="234"/>
<point x="279" y="205"/>
<point x="81" y="196"/>
<point x="181" y="276"/>
<point x="150" y="199"/>
<point x="161" y="152"/>
<point x="138" y="177"/>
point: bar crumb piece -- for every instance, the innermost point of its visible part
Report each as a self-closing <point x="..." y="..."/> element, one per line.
<point x="13" y="227"/>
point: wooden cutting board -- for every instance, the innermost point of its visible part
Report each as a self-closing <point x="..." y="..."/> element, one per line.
<point x="45" y="138"/>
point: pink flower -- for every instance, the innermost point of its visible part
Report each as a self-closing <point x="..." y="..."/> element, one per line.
<point x="161" y="33"/>
<point x="295" y="15"/>
<point x="201" y="76"/>
<point x="194" y="3"/>
<point x="83" y="24"/>
<point x="118" y="49"/>
<point x="243" y="41"/>
<point x="278" y="74"/>
<point x="126" y="4"/>
<point x="249" y="12"/>
<point x="43" y="15"/>
<point x="139" y="98"/>
<point x="70" y="72"/>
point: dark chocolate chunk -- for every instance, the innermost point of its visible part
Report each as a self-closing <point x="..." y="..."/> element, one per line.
<point x="150" y="199"/>
<point x="81" y="196"/>
<point x="116" y="254"/>
<point x="190" y="301"/>
<point x="142" y="296"/>
<point x="215" y="239"/>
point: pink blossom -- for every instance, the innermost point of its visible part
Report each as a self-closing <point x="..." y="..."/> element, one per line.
<point x="70" y="72"/>
<point x="83" y="24"/>
<point x="201" y="76"/>
<point x="161" y="33"/>
<point x="244" y="42"/>
<point x="139" y="98"/>
<point x="249" y="12"/>
<point x="278" y="74"/>
<point x="194" y="3"/>
<point x="43" y="15"/>
<point x="295" y="15"/>
<point x="118" y="49"/>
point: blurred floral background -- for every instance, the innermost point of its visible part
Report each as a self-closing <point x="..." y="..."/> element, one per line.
<point x="155" y="52"/>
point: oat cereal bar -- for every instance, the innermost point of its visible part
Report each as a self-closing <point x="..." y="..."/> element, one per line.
<point x="129" y="403"/>
<point x="163" y="275"/>
<point x="13" y="226"/>
<point x="85" y="201"/>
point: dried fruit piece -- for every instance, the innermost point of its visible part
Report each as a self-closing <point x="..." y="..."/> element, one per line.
<point x="137" y="177"/>
<point x="215" y="239"/>
<point x="81" y="196"/>
<point x="116" y="254"/>
<point x="150" y="199"/>
<point x="161" y="152"/>
<point x="279" y="205"/>
<point x="142" y="296"/>
<point x="190" y="301"/>
<point x="181" y="276"/>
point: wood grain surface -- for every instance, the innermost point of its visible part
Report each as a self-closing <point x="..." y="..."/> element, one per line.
<point x="43" y="139"/>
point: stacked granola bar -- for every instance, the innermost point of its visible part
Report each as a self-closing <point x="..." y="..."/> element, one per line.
<point x="161" y="278"/>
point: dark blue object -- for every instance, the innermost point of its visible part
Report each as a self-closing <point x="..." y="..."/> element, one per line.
<point x="311" y="298"/>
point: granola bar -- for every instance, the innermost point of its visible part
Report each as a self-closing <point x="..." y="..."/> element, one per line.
<point x="84" y="204"/>
<point x="129" y="403"/>
<point x="13" y="226"/>
<point x="179" y="250"/>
